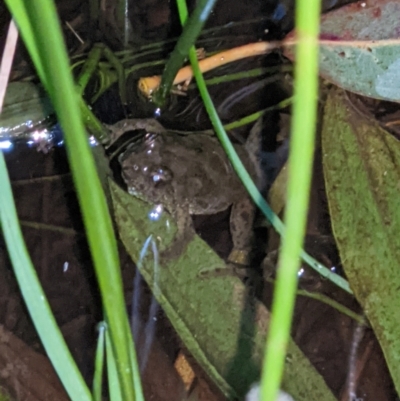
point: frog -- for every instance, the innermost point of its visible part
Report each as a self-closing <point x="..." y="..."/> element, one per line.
<point x="192" y="175"/>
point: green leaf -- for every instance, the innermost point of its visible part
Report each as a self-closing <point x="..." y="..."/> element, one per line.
<point x="362" y="174"/>
<point x="360" y="49"/>
<point x="370" y="69"/>
<point x="375" y="20"/>
<point x="220" y="324"/>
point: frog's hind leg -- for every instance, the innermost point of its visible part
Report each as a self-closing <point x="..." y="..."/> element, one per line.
<point x="241" y="225"/>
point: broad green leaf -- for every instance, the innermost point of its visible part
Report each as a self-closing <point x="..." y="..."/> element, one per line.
<point x="371" y="70"/>
<point x="360" y="48"/>
<point x="220" y="324"/>
<point x="362" y="174"/>
<point x="369" y="20"/>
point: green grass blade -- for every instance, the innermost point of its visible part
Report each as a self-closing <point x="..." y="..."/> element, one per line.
<point x="34" y="296"/>
<point x="188" y="37"/>
<point x="114" y="385"/>
<point x="305" y="102"/>
<point x="99" y="363"/>
<point x="95" y="213"/>
<point x="255" y="116"/>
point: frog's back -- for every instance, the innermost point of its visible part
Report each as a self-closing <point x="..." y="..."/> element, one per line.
<point x="205" y="177"/>
<point x="183" y="171"/>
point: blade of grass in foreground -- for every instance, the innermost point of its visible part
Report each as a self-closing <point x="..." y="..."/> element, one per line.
<point x="41" y="18"/>
<point x="97" y="387"/>
<point x="25" y="273"/>
<point x="301" y="153"/>
<point x="34" y="296"/>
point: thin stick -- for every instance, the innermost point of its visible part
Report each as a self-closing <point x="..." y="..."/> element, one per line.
<point x="7" y="60"/>
<point x="148" y="85"/>
<point x="76" y="34"/>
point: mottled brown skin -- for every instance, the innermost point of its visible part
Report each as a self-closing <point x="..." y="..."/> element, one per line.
<point x="188" y="174"/>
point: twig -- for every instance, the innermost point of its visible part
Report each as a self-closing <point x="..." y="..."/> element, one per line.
<point x="7" y="60"/>
<point x="148" y="85"/>
<point x="70" y="27"/>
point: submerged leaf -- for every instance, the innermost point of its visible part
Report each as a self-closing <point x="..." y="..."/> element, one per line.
<point x="362" y="174"/>
<point x="26" y="106"/>
<point x="221" y="325"/>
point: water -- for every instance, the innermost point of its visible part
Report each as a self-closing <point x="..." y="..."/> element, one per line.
<point x="43" y="138"/>
<point x="150" y="327"/>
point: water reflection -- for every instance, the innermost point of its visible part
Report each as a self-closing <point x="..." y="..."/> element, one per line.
<point x="157" y="113"/>
<point x="6" y="145"/>
<point x="156" y="212"/>
<point x="149" y="330"/>
<point x="44" y="138"/>
<point x="65" y="267"/>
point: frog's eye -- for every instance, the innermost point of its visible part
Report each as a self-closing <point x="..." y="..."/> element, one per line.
<point x="161" y="175"/>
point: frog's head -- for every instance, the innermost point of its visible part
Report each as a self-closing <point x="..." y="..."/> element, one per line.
<point x="122" y="127"/>
<point x="145" y="174"/>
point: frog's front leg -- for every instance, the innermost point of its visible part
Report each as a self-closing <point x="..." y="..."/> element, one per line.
<point x="184" y="234"/>
<point x="241" y="226"/>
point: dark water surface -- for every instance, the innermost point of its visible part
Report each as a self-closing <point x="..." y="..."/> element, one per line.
<point x="54" y="233"/>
